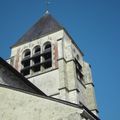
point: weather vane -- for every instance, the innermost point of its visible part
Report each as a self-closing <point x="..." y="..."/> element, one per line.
<point x="47" y="2"/>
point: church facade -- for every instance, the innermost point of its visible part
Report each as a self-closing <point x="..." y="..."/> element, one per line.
<point x="47" y="77"/>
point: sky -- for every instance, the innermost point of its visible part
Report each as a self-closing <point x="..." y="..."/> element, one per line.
<point x="95" y="27"/>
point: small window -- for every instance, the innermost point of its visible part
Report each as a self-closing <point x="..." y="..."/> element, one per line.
<point x="36" y="56"/>
<point x="37" y="49"/>
<point x="47" y="56"/>
<point x="26" y="62"/>
<point x="78" y="70"/>
<point x="36" y="68"/>
<point x="36" y="59"/>
<point x="25" y="72"/>
<point x="47" y="64"/>
<point x="27" y="53"/>
<point x="48" y="46"/>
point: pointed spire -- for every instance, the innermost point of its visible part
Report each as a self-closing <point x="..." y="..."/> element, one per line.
<point x="46" y="25"/>
<point x="46" y="12"/>
<point x="47" y="2"/>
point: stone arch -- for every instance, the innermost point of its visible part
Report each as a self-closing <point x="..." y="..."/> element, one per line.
<point x="26" y="62"/>
<point x="47" y="55"/>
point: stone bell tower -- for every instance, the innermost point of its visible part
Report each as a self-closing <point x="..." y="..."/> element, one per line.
<point x="49" y="58"/>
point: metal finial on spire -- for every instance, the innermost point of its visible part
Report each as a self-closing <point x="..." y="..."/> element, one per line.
<point x="47" y="2"/>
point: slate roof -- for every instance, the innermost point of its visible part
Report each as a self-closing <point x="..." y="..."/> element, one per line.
<point x="46" y="25"/>
<point x="16" y="80"/>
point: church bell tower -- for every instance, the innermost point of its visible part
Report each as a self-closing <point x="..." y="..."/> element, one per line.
<point x="49" y="58"/>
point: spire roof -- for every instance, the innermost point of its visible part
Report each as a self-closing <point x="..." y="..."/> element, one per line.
<point x="46" y="25"/>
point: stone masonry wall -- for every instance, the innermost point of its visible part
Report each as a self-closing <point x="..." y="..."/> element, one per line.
<point x="15" y="105"/>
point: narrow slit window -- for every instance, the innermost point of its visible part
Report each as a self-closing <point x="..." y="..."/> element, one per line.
<point x="47" y="56"/>
<point x="78" y="70"/>
<point x="37" y="50"/>
<point x="26" y="62"/>
<point x="27" y="54"/>
<point x="36" y="59"/>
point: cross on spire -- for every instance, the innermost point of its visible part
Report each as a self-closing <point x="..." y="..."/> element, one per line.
<point x="47" y="2"/>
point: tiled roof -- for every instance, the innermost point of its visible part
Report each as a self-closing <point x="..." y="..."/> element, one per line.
<point x="46" y="25"/>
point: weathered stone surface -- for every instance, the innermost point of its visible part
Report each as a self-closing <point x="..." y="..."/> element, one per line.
<point x="60" y="80"/>
<point x="16" y="105"/>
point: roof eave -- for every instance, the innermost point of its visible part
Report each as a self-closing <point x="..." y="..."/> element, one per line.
<point x="16" y="45"/>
